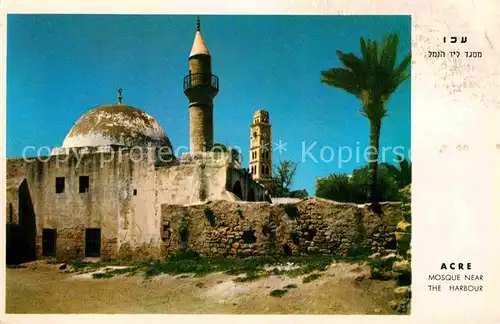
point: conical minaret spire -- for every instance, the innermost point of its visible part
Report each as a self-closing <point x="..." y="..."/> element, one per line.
<point x="199" y="46"/>
<point x="201" y="87"/>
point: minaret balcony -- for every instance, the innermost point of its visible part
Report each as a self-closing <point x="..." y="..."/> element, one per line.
<point x="195" y="80"/>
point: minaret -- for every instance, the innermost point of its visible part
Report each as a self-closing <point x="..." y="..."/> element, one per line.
<point x="201" y="87"/>
<point x="261" y="153"/>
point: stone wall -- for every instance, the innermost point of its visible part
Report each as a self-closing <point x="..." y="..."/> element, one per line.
<point x="307" y="227"/>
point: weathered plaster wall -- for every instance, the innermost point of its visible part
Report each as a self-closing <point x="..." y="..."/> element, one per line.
<point x="310" y="226"/>
<point x="127" y="189"/>
<point x="126" y="220"/>
<point x="188" y="184"/>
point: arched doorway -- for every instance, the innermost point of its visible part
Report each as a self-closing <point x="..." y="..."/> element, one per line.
<point x="22" y="236"/>
<point x="237" y="190"/>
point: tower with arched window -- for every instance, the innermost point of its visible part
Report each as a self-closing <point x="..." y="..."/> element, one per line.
<point x="261" y="153"/>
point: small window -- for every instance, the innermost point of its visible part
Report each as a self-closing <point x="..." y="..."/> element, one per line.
<point x="92" y="242"/>
<point x="135" y="192"/>
<point x="84" y="184"/>
<point x="49" y="242"/>
<point x="60" y="184"/>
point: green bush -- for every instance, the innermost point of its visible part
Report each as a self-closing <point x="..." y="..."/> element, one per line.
<point x="183" y="255"/>
<point x="278" y="292"/>
<point x="335" y="187"/>
<point x="311" y="277"/>
<point x="355" y="188"/>
<point x="247" y="278"/>
<point x="358" y="251"/>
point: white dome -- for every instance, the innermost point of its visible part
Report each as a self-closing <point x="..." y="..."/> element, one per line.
<point x="116" y="124"/>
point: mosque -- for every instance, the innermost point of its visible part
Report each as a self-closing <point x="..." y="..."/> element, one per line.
<point x="100" y="194"/>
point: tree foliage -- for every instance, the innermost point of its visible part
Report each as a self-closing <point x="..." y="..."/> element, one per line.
<point x="283" y="176"/>
<point x="356" y="187"/>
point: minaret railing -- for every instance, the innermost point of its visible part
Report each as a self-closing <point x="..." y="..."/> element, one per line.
<point x="200" y="79"/>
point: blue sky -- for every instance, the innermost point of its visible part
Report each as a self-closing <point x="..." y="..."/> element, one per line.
<point x="61" y="66"/>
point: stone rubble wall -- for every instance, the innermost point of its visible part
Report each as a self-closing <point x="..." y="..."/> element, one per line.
<point x="311" y="226"/>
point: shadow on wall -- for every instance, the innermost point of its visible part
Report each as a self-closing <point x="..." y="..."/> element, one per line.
<point x="21" y="237"/>
<point x="250" y="195"/>
<point x="237" y="190"/>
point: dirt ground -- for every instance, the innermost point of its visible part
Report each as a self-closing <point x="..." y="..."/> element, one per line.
<point x="42" y="288"/>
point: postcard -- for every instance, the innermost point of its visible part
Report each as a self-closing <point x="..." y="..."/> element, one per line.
<point x="196" y="162"/>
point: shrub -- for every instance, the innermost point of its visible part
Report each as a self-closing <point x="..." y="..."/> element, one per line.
<point x="355" y="188"/>
<point x="358" y="251"/>
<point x="335" y="187"/>
<point x="247" y="278"/>
<point x="311" y="277"/>
<point x="183" y="255"/>
<point x="278" y="292"/>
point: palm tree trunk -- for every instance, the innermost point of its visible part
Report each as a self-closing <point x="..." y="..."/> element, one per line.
<point x="373" y="163"/>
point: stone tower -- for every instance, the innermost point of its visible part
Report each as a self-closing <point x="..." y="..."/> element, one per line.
<point x="261" y="153"/>
<point x="201" y="87"/>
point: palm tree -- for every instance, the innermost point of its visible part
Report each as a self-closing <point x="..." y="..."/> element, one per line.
<point x="372" y="78"/>
<point x="402" y="175"/>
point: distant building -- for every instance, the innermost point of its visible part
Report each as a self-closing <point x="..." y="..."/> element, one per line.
<point x="261" y="153"/>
